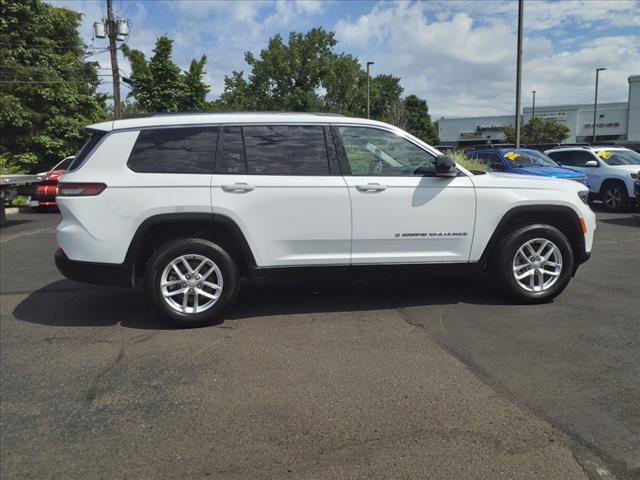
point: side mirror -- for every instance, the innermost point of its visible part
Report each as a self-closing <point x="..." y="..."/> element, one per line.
<point x="445" y="166"/>
<point x="592" y="164"/>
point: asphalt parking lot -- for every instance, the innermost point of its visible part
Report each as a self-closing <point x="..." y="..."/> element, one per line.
<point x="413" y="378"/>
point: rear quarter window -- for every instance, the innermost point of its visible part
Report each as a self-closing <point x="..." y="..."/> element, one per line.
<point x="85" y="150"/>
<point x="185" y="150"/>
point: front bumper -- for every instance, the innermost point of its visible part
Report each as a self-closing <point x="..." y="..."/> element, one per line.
<point x="111" y="274"/>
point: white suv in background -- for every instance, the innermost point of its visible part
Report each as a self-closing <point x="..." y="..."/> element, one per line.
<point x="611" y="171"/>
<point x="186" y="204"/>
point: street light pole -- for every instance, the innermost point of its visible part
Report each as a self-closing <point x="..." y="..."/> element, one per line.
<point x="111" y="31"/>
<point x="519" y="71"/>
<point x="595" y="104"/>
<point x="369" y="89"/>
<point x="533" y="107"/>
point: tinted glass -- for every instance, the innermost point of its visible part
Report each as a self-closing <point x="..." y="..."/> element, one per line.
<point x="564" y="158"/>
<point x="493" y="160"/>
<point x="231" y="158"/>
<point x="373" y="152"/>
<point x="174" y="150"/>
<point x="286" y="150"/>
<point x="86" y="149"/>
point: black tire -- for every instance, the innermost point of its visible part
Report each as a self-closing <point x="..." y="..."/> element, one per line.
<point x="194" y="247"/>
<point x="611" y="192"/>
<point x="502" y="263"/>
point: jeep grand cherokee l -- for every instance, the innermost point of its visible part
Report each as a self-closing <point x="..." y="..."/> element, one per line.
<point x="186" y="204"/>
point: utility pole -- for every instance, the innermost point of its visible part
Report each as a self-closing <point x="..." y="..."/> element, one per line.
<point x="519" y="71"/>
<point x="113" y="50"/>
<point x="369" y="89"/>
<point x="533" y="107"/>
<point x="595" y="104"/>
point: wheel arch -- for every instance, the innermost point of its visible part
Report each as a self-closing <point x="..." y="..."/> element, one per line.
<point x="612" y="180"/>
<point x="562" y="217"/>
<point x="159" y="229"/>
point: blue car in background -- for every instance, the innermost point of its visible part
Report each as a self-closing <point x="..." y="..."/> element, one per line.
<point x="526" y="162"/>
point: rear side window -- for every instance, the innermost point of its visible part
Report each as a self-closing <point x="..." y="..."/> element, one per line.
<point x="231" y="159"/>
<point x="174" y="150"/>
<point x="286" y="150"/>
<point x="85" y="150"/>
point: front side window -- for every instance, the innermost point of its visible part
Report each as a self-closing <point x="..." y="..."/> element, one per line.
<point x="285" y="150"/>
<point x="374" y="152"/>
<point x="174" y="150"/>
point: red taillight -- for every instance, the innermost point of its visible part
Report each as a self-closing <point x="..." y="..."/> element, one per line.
<point x="80" y="189"/>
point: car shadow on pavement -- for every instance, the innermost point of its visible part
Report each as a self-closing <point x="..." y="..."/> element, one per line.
<point x="631" y="221"/>
<point x="65" y="303"/>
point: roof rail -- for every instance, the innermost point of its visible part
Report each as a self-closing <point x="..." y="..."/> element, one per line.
<point x="227" y="112"/>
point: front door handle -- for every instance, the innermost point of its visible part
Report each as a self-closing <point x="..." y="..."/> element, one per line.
<point x="238" y="187"/>
<point x="371" y="187"/>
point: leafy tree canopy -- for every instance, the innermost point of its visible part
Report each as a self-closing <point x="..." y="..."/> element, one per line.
<point x="50" y="94"/>
<point x="159" y="85"/>
<point x="537" y="130"/>
<point x="419" y="120"/>
<point x="306" y="74"/>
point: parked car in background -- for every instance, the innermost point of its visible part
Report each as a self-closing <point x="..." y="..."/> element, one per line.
<point x="525" y="162"/>
<point x="44" y="197"/>
<point x="612" y="172"/>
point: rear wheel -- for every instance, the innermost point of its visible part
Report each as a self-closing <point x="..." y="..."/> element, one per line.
<point x="192" y="281"/>
<point x="614" y="196"/>
<point x="534" y="263"/>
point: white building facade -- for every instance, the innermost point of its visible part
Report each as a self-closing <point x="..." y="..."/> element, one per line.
<point x="619" y="122"/>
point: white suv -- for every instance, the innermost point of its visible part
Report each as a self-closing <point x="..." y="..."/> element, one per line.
<point x="611" y="171"/>
<point x="186" y="204"/>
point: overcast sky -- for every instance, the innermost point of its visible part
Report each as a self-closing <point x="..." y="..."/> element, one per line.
<point x="458" y="55"/>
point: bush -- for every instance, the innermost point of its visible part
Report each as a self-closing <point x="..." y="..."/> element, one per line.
<point x="463" y="161"/>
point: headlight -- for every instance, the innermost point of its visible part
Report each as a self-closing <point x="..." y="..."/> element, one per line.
<point x="634" y="176"/>
<point x="584" y="196"/>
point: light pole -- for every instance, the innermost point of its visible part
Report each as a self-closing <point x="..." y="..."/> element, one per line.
<point x="595" y="103"/>
<point x="519" y="71"/>
<point x="369" y="89"/>
<point x="533" y="106"/>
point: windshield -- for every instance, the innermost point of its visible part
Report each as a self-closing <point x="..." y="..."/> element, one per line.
<point x="619" y="157"/>
<point x="528" y="158"/>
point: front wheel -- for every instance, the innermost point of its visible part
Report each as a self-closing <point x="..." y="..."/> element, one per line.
<point x="615" y="197"/>
<point x="192" y="281"/>
<point x="534" y="263"/>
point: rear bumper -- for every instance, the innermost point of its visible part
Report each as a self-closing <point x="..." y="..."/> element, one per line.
<point x="112" y="274"/>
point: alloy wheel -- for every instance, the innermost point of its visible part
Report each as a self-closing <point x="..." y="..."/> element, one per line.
<point x="613" y="198"/>
<point x="537" y="265"/>
<point x="191" y="284"/>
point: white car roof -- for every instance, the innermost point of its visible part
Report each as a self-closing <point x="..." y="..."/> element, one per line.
<point x="232" y="117"/>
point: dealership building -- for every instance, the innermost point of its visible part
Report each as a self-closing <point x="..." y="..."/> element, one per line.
<point x="616" y="122"/>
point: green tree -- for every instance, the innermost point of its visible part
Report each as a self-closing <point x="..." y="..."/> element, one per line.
<point x="159" y="85"/>
<point x="537" y="130"/>
<point x="385" y="94"/>
<point x="49" y="94"/>
<point x="419" y="120"/>
<point x="306" y="74"/>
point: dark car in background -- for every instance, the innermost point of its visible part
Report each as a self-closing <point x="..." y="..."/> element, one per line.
<point x="44" y="196"/>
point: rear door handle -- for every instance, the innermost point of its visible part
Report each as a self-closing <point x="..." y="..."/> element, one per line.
<point x="238" y="187"/>
<point x="371" y="187"/>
